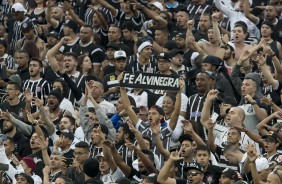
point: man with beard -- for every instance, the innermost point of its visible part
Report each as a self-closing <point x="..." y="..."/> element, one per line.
<point x="52" y="172"/>
<point x="37" y="85"/>
<point x="87" y="47"/>
<point x="98" y="135"/>
<point x="110" y="81"/>
<point x="13" y="104"/>
<point x="22" y="147"/>
<point x="204" y="25"/>
<point x="70" y="29"/>
<point x="81" y="153"/>
<point x="54" y="16"/>
<point x="22" y="58"/>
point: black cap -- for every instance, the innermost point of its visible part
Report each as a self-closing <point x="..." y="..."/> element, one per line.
<point x="28" y="178"/>
<point x="271" y="136"/>
<point x="112" y="45"/>
<point x="26" y="26"/>
<point x="226" y="99"/>
<point x="71" y="24"/>
<point x="54" y="34"/>
<point x="170" y="44"/>
<point x="213" y="60"/>
<point x="268" y="23"/>
<point x="66" y="133"/>
<point x="194" y="165"/>
<point x="164" y="55"/>
<point x="173" y="52"/>
<point x="230" y="173"/>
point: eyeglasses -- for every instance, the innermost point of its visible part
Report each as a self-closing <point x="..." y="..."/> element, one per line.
<point x="10" y="89"/>
<point x="193" y="173"/>
<point x="275" y="171"/>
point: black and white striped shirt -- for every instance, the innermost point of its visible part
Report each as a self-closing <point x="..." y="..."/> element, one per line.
<point x="94" y="150"/>
<point x="79" y="81"/>
<point x="8" y="60"/>
<point x="133" y="65"/>
<point x="196" y="10"/>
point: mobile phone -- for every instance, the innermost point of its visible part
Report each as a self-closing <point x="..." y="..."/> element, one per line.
<point x="214" y="117"/>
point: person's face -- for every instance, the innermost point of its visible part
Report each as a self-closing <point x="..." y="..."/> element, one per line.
<point x="233" y="136"/>
<point x="34" y="68"/>
<point x="232" y="117"/>
<point x="66" y="30"/>
<point x="53" y="102"/>
<point x="58" y="85"/>
<point x="55" y="161"/>
<point x="225" y="180"/>
<point x="103" y="165"/>
<point x="110" y="53"/>
<point x="95" y="136"/>
<point x="86" y="34"/>
<point x="57" y="13"/>
<point x="120" y="136"/>
<point x="177" y="60"/>
<point x="222" y="109"/>
<point x="65" y="124"/>
<point x="182" y="19"/>
<point x="154" y="116"/>
<point x="273" y="179"/>
<point x="270" y="13"/>
<point x="80" y="154"/>
<point x="12" y="92"/>
<point x="93" y="119"/>
<point x="86" y="63"/>
<point x="96" y="21"/>
<point x="269" y="146"/>
<point x="239" y="35"/>
<point x="211" y="36"/>
<point x="180" y="42"/>
<point x="163" y="65"/>
<point x="127" y="34"/>
<point x="204" y="23"/>
<point x="248" y="87"/>
<point x="186" y="149"/>
<point x="120" y="64"/>
<point x="9" y="147"/>
<point x="168" y="105"/>
<point x="34" y="141"/>
<point x="21" y="180"/>
<point x="97" y="91"/>
<point x="114" y="34"/>
<point x="202" y="83"/>
<point x="2" y="30"/>
<point x="65" y="142"/>
<point x="147" y="52"/>
<point x="265" y="30"/>
<point x="29" y="34"/>
<point x="207" y="67"/>
<point x="7" y="126"/>
<point x="202" y="157"/>
<point x="124" y="6"/>
<point x="227" y="53"/>
<point x="2" y="50"/>
<point x="119" y="106"/>
<point x="194" y="176"/>
<point x="68" y="16"/>
<point x="22" y="60"/>
<point x="160" y="37"/>
<point x="52" y="41"/>
<point x="18" y="16"/>
<point x="69" y="64"/>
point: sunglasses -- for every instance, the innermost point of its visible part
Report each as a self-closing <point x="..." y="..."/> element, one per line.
<point x="193" y="173"/>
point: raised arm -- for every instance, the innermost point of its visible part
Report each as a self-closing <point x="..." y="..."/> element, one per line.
<point x="261" y="125"/>
<point x="105" y="4"/>
<point x="251" y="17"/>
<point x="54" y="23"/>
<point x="152" y="15"/>
<point x="75" y="17"/>
<point x="108" y="157"/>
<point x="206" y="111"/>
<point x="141" y="142"/>
<point x="156" y="129"/>
<point x="188" y="129"/>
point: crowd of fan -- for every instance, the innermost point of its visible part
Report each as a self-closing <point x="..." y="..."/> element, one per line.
<point x="65" y="118"/>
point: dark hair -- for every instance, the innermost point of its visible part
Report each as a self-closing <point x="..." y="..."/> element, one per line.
<point x="71" y="119"/>
<point x="243" y="25"/>
<point x="23" y="52"/>
<point x="149" y="140"/>
<point x="31" y="48"/>
<point x="64" y="85"/>
<point x="202" y="148"/>
<point x="67" y="179"/>
<point x="71" y="54"/>
<point x="172" y="97"/>
<point x="11" y="140"/>
<point x="80" y="63"/>
<point x="37" y="60"/>
<point x="15" y="84"/>
<point x="82" y="144"/>
<point x="91" y="109"/>
<point x="132" y="101"/>
<point x="127" y="25"/>
<point x="88" y="26"/>
<point x="126" y="130"/>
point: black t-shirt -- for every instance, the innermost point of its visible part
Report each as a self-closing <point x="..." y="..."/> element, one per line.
<point x="212" y="174"/>
<point x="38" y="159"/>
<point x="16" y="110"/>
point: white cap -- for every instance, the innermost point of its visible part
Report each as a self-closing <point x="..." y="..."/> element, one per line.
<point x="119" y="54"/>
<point x="262" y="164"/>
<point x="100" y="155"/>
<point x="18" y="7"/>
<point x="157" y="5"/>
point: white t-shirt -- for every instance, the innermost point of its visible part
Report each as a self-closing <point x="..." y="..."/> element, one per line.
<point x="67" y="105"/>
<point x="108" y="107"/>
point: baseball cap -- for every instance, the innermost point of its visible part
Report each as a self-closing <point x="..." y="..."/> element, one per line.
<point x="213" y="60"/>
<point x="18" y="7"/>
<point x="194" y="165"/>
<point x="26" y="26"/>
<point x="66" y="133"/>
<point x="152" y="178"/>
<point x="15" y="78"/>
<point x="100" y="155"/>
<point x="157" y="5"/>
<point x="54" y="34"/>
<point x="173" y="52"/>
<point x="120" y="54"/>
<point x="71" y="24"/>
<point x="230" y="173"/>
<point x="164" y="55"/>
<point x="271" y="136"/>
<point x="221" y="98"/>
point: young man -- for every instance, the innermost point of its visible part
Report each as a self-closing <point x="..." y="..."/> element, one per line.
<point x="55" y="168"/>
<point x="91" y="170"/>
<point x="228" y="176"/>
